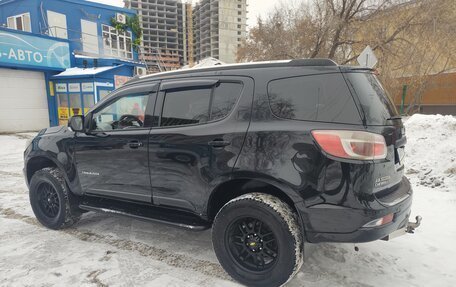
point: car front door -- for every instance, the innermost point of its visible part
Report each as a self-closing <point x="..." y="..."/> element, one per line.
<point x="197" y="138"/>
<point x="111" y="157"/>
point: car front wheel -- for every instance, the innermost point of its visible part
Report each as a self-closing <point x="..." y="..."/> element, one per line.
<point x="53" y="204"/>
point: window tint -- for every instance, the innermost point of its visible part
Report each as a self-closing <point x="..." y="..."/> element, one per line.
<point x="313" y="98"/>
<point x="126" y="112"/>
<point x="186" y="107"/>
<point x="191" y="106"/>
<point x="225" y="97"/>
<point x="375" y="100"/>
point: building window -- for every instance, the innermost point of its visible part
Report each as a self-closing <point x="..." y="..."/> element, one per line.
<point x="239" y="12"/>
<point x="117" y="44"/>
<point x="57" y="25"/>
<point x="20" y="22"/>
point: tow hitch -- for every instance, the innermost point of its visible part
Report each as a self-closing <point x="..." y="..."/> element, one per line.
<point x="409" y="228"/>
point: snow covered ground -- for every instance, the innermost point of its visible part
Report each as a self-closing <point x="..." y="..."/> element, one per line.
<point x="110" y="251"/>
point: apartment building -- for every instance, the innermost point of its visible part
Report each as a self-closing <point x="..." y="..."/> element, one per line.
<point x="185" y="28"/>
<point x="176" y="34"/>
<point x="160" y="23"/>
<point x="220" y="26"/>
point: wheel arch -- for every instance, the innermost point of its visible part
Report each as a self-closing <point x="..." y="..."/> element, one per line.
<point x="37" y="163"/>
<point x="237" y="186"/>
<point x="40" y="161"/>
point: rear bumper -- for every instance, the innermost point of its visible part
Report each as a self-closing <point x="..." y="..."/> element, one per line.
<point x="325" y="224"/>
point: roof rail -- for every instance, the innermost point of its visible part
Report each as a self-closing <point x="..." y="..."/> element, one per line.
<point x="312" y="62"/>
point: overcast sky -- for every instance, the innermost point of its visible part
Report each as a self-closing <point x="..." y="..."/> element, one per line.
<point x="256" y="7"/>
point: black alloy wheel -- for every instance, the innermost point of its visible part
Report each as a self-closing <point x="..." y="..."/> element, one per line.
<point x="48" y="202"/>
<point x="252" y="244"/>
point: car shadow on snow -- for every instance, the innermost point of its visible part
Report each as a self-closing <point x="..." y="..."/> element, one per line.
<point x="323" y="263"/>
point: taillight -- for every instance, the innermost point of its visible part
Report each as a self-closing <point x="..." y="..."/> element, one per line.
<point x="380" y="221"/>
<point x="351" y="144"/>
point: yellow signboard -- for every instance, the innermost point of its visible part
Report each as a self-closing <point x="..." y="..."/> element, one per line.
<point x="51" y="88"/>
<point x="63" y="113"/>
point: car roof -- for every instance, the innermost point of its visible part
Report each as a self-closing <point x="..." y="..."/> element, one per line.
<point x="243" y="66"/>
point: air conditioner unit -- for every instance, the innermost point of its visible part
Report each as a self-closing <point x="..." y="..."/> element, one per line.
<point x="140" y="71"/>
<point x="121" y="18"/>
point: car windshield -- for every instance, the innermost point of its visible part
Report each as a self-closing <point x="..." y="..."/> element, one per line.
<point x="375" y="100"/>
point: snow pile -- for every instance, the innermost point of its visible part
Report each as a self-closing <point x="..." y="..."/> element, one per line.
<point x="431" y="151"/>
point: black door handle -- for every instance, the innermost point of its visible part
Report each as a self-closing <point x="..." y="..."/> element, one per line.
<point x="135" y="144"/>
<point x="219" y="143"/>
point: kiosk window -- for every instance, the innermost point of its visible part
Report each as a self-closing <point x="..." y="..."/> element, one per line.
<point x="75" y="104"/>
<point x="89" y="101"/>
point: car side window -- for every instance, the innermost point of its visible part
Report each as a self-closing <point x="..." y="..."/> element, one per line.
<point x="313" y="98"/>
<point x="295" y="98"/>
<point x="226" y="95"/>
<point x="186" y="107"/>
<point x="197" y="105"/>
<point x="124" y="113"/>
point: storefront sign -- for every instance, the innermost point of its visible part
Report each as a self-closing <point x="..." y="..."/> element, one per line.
<point x="74" y="88"/>
<point x="119" y="81"/>
<point x="87" y="87"/>
<point x="64" y="114"/>
<point x="61" y="88"/>
<point x="19" y="49"/>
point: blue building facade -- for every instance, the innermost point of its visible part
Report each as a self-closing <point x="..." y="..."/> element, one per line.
<point x="72" y="46"/>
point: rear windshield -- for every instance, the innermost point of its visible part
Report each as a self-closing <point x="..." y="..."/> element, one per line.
<point x="375" y="100"/>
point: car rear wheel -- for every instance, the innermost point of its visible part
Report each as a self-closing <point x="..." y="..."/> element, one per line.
<point x="258" y="241"/>
<point x="53" y="204"/>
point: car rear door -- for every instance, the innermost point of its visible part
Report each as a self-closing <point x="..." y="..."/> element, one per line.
<point x="197" y="138"/>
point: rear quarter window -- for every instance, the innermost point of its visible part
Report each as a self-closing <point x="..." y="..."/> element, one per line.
<point x="324" y="98"/>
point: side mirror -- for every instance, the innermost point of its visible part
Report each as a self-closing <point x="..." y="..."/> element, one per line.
<point x="76" y="123"/>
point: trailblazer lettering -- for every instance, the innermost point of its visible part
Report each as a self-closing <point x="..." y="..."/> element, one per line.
<point x="23" y="55"/>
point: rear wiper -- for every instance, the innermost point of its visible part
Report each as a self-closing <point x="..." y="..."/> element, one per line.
<point x="394" y="118"/>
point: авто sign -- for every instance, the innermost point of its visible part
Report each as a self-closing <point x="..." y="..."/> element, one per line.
<point x="20" y="49"/>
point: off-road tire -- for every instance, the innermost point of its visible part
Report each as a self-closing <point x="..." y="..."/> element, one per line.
<point x="67" y="212"/>
<point x="280" y="218"/>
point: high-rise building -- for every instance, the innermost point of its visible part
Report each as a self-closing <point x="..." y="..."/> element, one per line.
<point x="219" y="28"/>
<point x="177" y="34"/>
<point x="185" y="24"/>
<point x="160" y="21"/>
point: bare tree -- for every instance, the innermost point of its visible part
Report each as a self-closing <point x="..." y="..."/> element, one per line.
<point x="327" y="28"/>
<point x="411" y="38"/>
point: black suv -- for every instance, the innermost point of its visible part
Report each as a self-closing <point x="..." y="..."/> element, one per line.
<point x="268" y="155"/>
